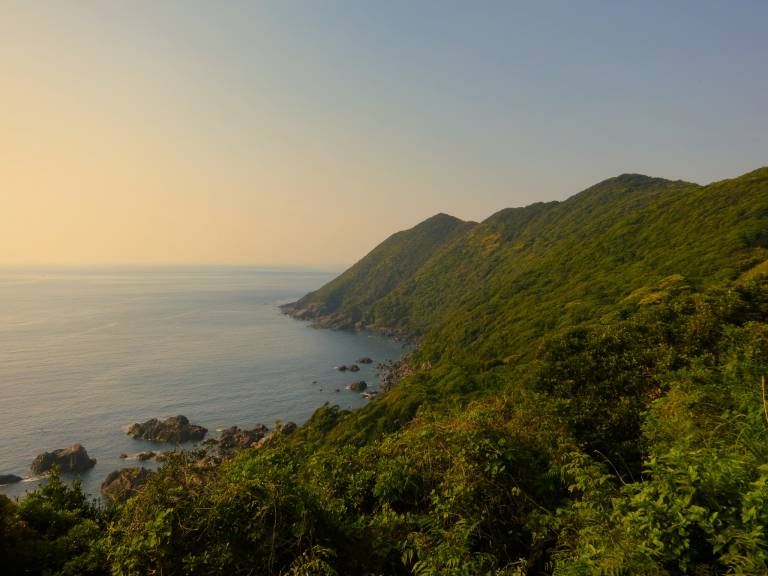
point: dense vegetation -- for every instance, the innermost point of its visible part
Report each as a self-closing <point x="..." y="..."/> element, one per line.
<point x="496" y="288"/>
<point x="343" y="302"/>
<point x="588" y="398"/>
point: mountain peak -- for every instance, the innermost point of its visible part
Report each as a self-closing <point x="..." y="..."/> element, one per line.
<point x="443" y="217"/>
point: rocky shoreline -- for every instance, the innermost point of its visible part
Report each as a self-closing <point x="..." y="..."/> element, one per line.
<point x="338" y="321"/>
<point x="176" y="430"/>
<point x="124" y="482"/>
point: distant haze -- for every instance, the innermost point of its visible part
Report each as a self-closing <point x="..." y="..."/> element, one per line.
<point x="306" y="132"/>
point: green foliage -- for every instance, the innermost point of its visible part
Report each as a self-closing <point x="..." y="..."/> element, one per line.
<point x="342" y="303"/>
<point x="586" y="399"/>
<point x="55" y="530"/>
<point x="496" y="288"/>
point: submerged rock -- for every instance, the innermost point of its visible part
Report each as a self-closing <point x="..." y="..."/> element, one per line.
<point x="357" y="386"/>
<point x="364" y="360"/>
<point x="10" y="478"/>
<point x="122" y="484"/>
<point x="342" y="368"/>
<point x="176" y="429"/>
<point x="72" y="459"/>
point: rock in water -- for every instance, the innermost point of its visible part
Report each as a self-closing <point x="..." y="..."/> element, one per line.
<point x="72" y="459"/>
<point x="364" y="360"/>
<point x="234" y="437"/>
<point x="354" y="368"/>
<point x="176" y="429"/>
<point x="10" y="478"/>
<point x="122" y="484"/>
<point x="357" y="386"/>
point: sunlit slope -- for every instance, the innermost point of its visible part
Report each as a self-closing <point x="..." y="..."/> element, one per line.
<point x="486" y="292"/>
<point x="345" y="301"/>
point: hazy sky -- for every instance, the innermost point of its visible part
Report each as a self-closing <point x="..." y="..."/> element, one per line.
<point x="306" y="132"/>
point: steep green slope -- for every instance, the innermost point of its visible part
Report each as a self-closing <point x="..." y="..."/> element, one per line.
<point x="518" y="483"/>
<point x="582" y="257"/>
<point x="341" y="303"/>
<point x="495" y="288"/>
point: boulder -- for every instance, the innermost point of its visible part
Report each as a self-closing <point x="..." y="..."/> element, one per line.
<point x="122" y="484"/>
<point x="174" y="430"/>
<point x="10" y="478"/>
<point x="364" y="360"/>
<point x="282" y="430"/>
<point x="72" y="459"/>
<point x="342" y="368"/>
<point x="234" y="437"/>
<point x="288" y="428"/>
<point x="162" y="456"/>
<point x="357" y="386"/>
<point x="143" y="456"/>
<point x="266" y="441"/>
<point x="354" y="368"/>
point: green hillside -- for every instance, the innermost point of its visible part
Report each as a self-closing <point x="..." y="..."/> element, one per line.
<point x="342" y="303"/>
<point x="587" y="398"/>
<point x="523" y="272"/>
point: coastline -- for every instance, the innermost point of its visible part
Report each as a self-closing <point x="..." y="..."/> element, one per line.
<point x="115" y="350"/>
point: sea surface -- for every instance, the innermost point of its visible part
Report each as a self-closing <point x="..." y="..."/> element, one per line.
<point x="85" y="353"/>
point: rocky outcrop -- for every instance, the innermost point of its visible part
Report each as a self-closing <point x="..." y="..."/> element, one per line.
<point x="122" y="484"/>
<point x="10" y="478"/>
<point x="176" y="429"/>
<point x="287" y="429"/>
<point x="234" y="437"/>
<point x="282" y="430"/>
<point x="357" y="386"/>
<point x="392" y="372"/>
<point x="72" y="459"/>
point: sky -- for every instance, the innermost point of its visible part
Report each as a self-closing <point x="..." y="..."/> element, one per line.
<point x="305" y="133"/>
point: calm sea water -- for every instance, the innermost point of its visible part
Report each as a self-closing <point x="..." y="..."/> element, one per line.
<point x="84" y="353"/>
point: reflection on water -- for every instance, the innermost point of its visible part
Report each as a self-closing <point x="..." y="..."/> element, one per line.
<point x="84" y="353"/>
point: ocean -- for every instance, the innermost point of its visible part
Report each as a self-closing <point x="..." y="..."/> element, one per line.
<point x="85" y="353"/>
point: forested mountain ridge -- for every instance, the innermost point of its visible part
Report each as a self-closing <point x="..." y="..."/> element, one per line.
<point x="341" y="302"/>
<point x="502" y="284"/>
<point x="588" y="398"/>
